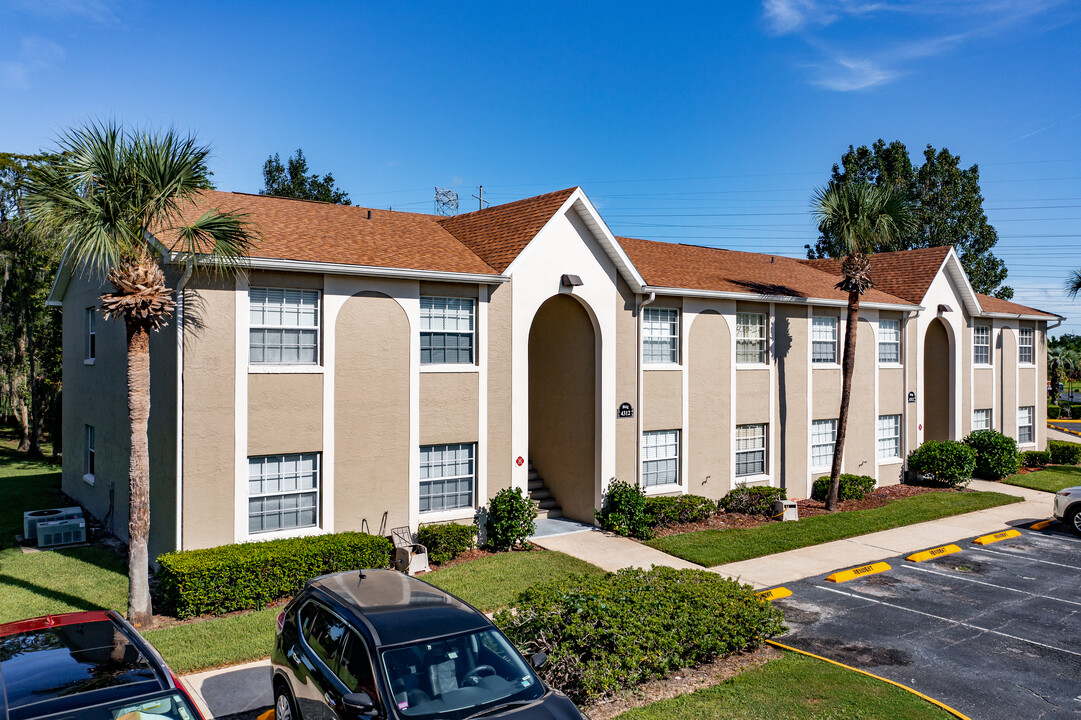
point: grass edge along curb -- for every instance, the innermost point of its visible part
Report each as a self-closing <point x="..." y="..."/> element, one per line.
<point x="917" y="693"/>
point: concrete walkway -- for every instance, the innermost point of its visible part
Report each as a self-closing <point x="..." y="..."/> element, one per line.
<point x="231" y="690"/>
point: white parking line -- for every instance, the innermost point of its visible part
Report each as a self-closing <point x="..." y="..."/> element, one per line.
<point x="950" y="620"/>
<point x="981" y="582"/>
<point x="1054" y="535"/>
<point x="1026" y="558"/>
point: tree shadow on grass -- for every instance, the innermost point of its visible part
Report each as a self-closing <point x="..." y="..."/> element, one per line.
<point x="73" y="601"/>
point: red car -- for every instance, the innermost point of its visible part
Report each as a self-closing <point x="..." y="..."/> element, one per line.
<point x="86" y="665"/>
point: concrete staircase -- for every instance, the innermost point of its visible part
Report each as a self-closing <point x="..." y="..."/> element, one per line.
<point x="547" y="507"/>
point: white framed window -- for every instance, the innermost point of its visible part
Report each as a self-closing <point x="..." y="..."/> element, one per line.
<point x="1025" y="417"/>
<point x="283" y="326"/>
<point x="981" y="345"/>
<point x="1025" y="346"/>
<point x="750" y="450"/>
<point x="447" y="476"/>
<point x="889" y="437"/>
<point x="981" y="419"/>
<point x="88" y="454"/>
<point x="889" y="341"/>
<point x="823" y="440"/>
<point x="751" y="338"/>
<point x="283" y="492"/>
<point x="91" y="334"/>
<point x="660" y="458"/>
<point x="660" y="335"/>
<point x="447" y="330"/>
<point x="824" y="339"/>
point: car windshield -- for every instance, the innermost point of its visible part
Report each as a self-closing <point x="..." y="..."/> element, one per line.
<point x="459" y="676"/>
<point x="164" y="706"/>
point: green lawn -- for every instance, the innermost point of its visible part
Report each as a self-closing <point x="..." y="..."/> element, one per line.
<point x="794" y="686"/>
<point x="715" y="547"/>
<point x="1051" y="479"/>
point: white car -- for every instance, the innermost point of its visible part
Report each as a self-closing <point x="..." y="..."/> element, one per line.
<point x="1068" y="507"/>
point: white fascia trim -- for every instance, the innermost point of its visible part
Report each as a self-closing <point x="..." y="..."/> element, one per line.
<point x="1012" y="316"/>
<point x="60" y="283"/>
<point x="957" y="272"/>
<point x="754" y="297"/>
<point x="604" y="236"/>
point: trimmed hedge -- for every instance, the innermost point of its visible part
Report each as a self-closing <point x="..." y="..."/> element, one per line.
<point x="623" y="511"/>
<point x="605" y="633"/>
<point x="1054" y="412"/>
<point x="996" y="454"/>
<point x="511" y="519"/>
<point x="949" y="461"/>
<point x="753" y="500"/>
<point x="248" y="576"/>
<point x="1035" y="458"/>
<point x="665" y="511"/>
<point x="1064" y="452"/>
<point x="446" y="542"/>
<point x="852" y="487"/>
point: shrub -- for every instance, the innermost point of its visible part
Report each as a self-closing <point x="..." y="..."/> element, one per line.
<point x="949" y="461"/>
<point x="1064" y="453"/>
<point x="753" y="500"/>
<point x="605" y="633"/>
<point x="996" y="454"/>
<point x="852" y="487"/>
<point x="1054" y="412"/>
<point x="623" y="510"/>
<point x="247" y="576"/>
<point x="511" y="519"/>
<point x="446" y="542"/>
<point x="665" y="511"/>
<point x="1035" y="458"/>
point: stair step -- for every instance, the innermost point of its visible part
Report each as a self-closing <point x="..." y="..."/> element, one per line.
<point x="533" y="475"/>
<point x="552" y="513"/>
<point x="535" y="484"/>
<point x="541" y="494"/>
<point x="547" y="503"/>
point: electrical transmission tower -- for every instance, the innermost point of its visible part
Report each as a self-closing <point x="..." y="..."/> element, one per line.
<point x="446" y="202"/>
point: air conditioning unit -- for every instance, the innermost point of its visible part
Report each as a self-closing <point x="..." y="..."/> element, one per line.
<point x="61" y="532"/>
<point x="33" y="517"/>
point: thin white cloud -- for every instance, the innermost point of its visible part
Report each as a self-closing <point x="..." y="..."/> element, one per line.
<point x="97" y="11"/>
<point x="34" y="54"/>
<point x="846" y="75"/>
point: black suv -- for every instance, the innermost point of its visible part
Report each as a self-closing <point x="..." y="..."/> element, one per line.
<point x="376" y="643"/>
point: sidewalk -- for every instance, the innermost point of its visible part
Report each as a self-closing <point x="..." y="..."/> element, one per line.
<point x="231" y="690"/>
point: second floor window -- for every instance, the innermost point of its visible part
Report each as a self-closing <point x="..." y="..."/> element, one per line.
<point x="751" y="338"/>
<point x="284" y="326"/>
<point x="91" y="335"/>
<point x="660" y="343"/>
<point x="889" y="341"/>
<point x="447" y="331"/>
<point x="1025" y="345"/>
<point x="824" y="340"/>
<point x="981" y="345"/>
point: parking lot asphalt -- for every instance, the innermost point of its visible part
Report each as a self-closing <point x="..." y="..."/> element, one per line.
<point x="993" y="631"/>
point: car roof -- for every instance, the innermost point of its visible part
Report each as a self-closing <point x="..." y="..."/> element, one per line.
<point x="398" y="608"/>
<point x="58" y="663"/>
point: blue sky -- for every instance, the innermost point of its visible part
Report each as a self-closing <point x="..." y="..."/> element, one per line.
<point x="694" y="122"/>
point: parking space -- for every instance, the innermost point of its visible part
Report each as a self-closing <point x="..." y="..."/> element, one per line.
<point x="993" y="630"/>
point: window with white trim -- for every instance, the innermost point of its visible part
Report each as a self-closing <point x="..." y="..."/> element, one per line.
<point x="1025" y="417"/>
<point x="284" y="326"/>
<point x="447" y="330"/>
<point x="751" y="338"/>
<point x="750" y="450"/>
<point x="981" y="345"/>
<point x="91" y="334"/>
<point x="660" y="458"/>
<point x="889" y="341"/>
<point x="660" y="335"/>
<point x="283" y="492"/>
<point x="1025" y="346"/>
<point x="889" y="437"/>
<point x="824" y="339"/>
<point x="823" y="441"/>
<point x="88" y="455"/>
<point x="981" y="419"/>
<point x="447" y="476"/>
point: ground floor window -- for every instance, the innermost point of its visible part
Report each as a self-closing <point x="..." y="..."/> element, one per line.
<point x="447" y="476"/>
<point x="823" y="440"/>
<point x="283" y="492"/>
<point x="88" y="457"/>
<point x="981" y="419"/>
<point x="1024" y="424"/>
<point x="750" y="450"/>
<point x="660" y="458"/>
<point x="889" y="437"/>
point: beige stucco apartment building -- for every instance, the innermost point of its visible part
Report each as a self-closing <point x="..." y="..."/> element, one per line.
<point x="377" y="368"/>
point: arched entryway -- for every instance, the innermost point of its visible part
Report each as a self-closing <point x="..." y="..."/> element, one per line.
<point x="937" y="398"/>
<point x="563" y="404"/>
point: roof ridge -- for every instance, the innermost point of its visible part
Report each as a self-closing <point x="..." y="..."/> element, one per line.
<point x="442" y="218"/>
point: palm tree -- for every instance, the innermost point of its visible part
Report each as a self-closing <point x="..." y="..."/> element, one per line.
<point x="1061" y="362"/>
<point x="118" y="198"/>
<point x="1073" y="284"/>
<point x="861" y="217"/>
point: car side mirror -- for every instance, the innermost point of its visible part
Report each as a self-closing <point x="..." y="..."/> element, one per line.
<point x="537" y="660"/>
<point x="358" y="703"/>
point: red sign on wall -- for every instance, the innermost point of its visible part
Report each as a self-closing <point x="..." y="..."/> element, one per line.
<point x="519" y="461"/>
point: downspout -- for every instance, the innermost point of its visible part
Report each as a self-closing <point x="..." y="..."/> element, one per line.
<point x="638" y="391"/>
<point x="180" y="403"/>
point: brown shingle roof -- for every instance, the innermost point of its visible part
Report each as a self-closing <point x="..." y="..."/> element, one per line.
<point x="702" y="268"/>
<point x="994" y="305"/>
<point x="906" y="274"/>
<point x="321" y="232"/>
<point x="498" y="234"/>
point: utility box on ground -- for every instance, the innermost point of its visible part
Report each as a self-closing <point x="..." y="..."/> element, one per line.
<point x="785" y="510"/>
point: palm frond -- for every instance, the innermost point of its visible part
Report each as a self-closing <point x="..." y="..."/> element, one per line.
<point x="1073" y="283"/>
<point x="218" y="242"/>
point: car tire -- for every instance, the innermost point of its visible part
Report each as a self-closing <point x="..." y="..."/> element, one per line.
<point x="284" y="707"/>
<point x="1073" y="519"/>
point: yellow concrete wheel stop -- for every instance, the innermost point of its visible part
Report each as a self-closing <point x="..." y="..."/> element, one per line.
<point x="933" y="553"/>
<point x="1042" y="524"/>
<point x="775" y="594"/>
<point x="268" y="715"/>
<point x="861" y="571"/>
<point x="996" y="537"/>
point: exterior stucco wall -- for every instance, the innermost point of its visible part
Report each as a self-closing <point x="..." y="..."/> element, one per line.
<point x="662" y="400"/>
<point x="448" y="407"/>
<point x="710" y="412"/>
<point x="1005" y="377"/>
<point x="860" y="446"/>
<point x="500" y="417"/>
<point x="752" y="396"/>
<point x="627" y="354"/>
<point x="791" y="350"/>
<point x="825" y="392"/>
<point x="285" y="413"/>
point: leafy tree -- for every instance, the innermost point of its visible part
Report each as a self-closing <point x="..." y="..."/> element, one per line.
<point x="1069" y="341"/>
<point x="947" y="208"/>
<point x="295" y="182"/>
<point x="862" y="217"/>
<point x="110" y="189"/>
